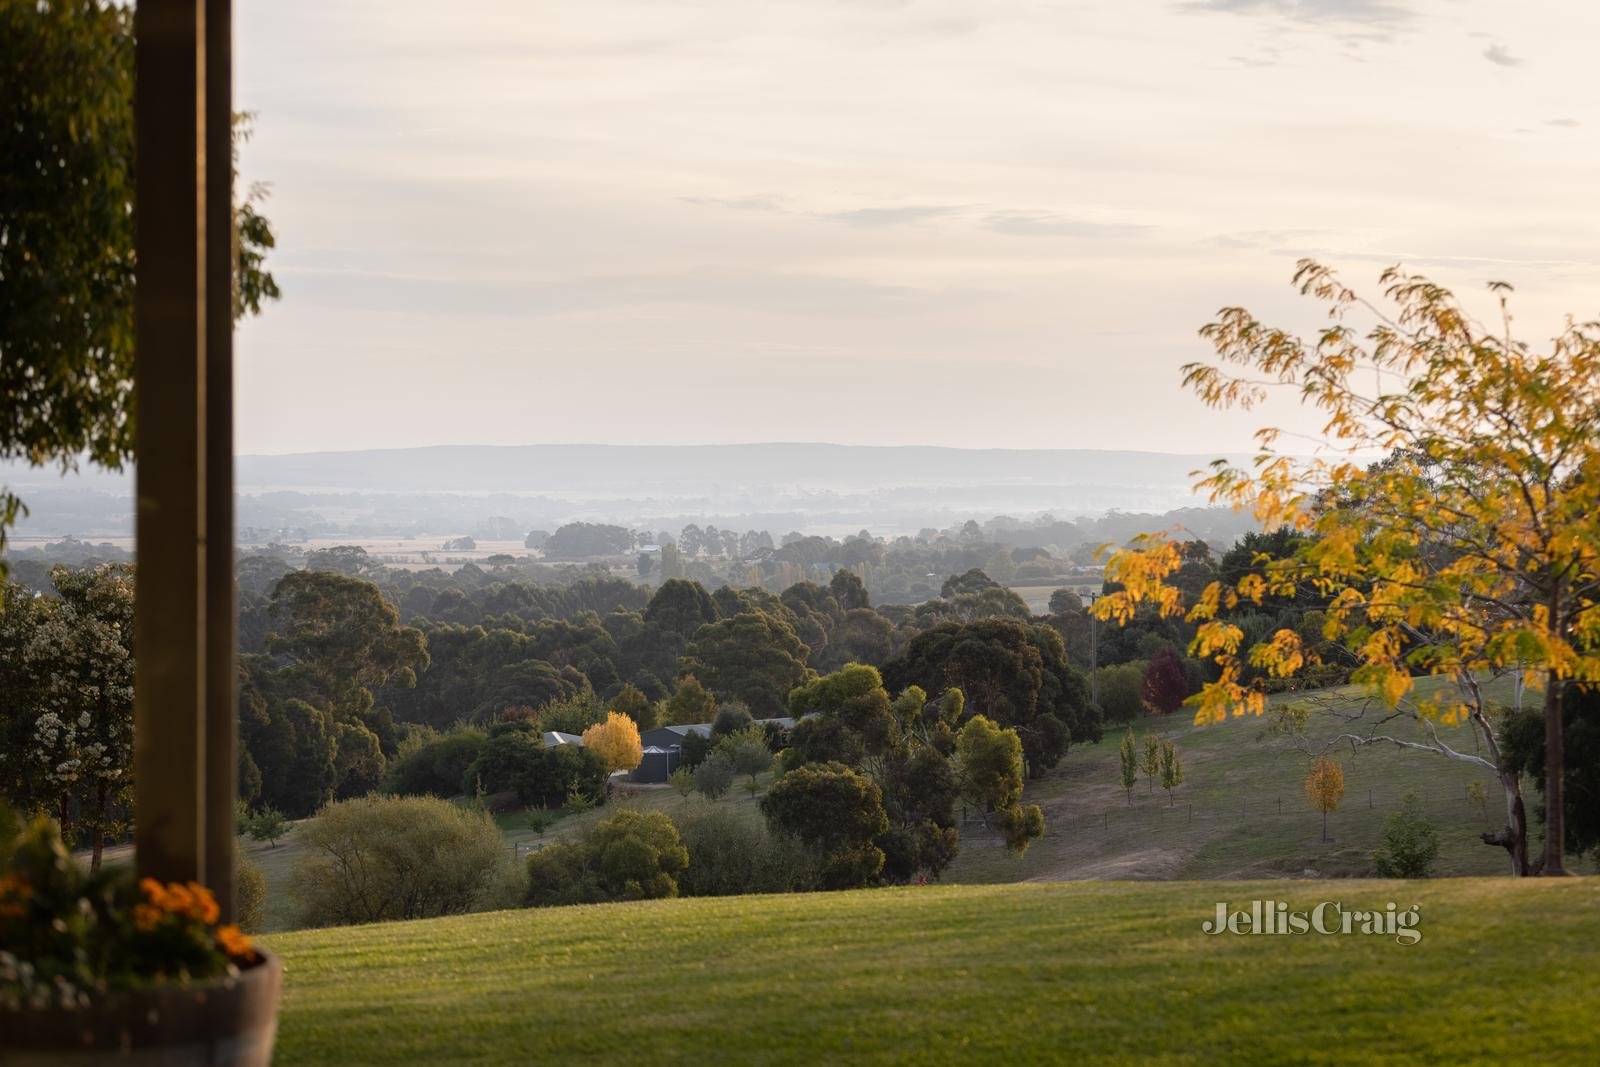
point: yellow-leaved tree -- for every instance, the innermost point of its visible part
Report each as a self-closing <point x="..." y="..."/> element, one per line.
<point x="1470" y="551"/>
<point x="1325" y="788"/>
<point x="616" y="742"/>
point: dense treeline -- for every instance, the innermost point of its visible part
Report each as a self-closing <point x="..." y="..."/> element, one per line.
<point x="348" y="667"/>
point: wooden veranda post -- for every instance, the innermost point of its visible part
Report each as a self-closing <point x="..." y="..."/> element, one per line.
<point x="184" y="723"/>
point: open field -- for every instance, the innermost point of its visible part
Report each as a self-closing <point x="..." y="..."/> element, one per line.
<point x="1111" y="972"/>
<point x="1037" y="595"/>
<point x="1242" y="810"/>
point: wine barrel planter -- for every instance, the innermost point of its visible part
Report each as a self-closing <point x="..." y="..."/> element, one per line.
<point x="226" y="1023"/>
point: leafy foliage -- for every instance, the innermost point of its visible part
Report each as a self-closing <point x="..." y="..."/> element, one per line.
<point x="1410" y="844"/>
<point x="1325" y="788"/>
<point x="836" y="813"/>
<point x="713" y="777"/>
<point x="66" y="719"/>
<point x="1165" y="685"/>
<point x="753" y="657"/>
<point x="69" y="935"/>
<point x="632" y="855"/>
<point x="1128" y="756"/>
<point x="515" y="759"/>
<point x="990" y="759"/>
<point x="1012" y="672"/>
<point x="1472" y="549"/>
<point x="730" y="853"/>
<point x="378" y="859"/>
<point x="265" y="824"/>
<point x="1171" y="767"/>
<point x="615" y="742"/>
<point x="437" y="767"/>
<point x="66" y="259"/>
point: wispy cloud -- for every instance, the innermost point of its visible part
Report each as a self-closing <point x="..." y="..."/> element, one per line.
<point x="873" y="217"/>
<point x="1570" y="124"/>
<point x="1501" y="56"/>
<point x="738" y="203"/>
<point x="1276" y="240"/>
<point x="1368" y="11"/>
<point x="1046" y="224"/>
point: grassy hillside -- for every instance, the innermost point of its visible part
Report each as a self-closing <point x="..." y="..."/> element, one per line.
<point x="1242" y="810"/>
<point x="1105" y="972"/>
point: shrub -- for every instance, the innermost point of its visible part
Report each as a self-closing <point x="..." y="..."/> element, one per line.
<point x="732" y="853"/>
<point x="632" y="702"/>
<point x="836" y="813"/>
<point x="732" y="717"/>
<point x="560" y="874"/>
<point x="695" y="750"/>
<point x="714" y="777"/>
<point x="514" y="759"/>
<point x="1410" y="844"/>
<point x="565" y="771"/>
<point x="571" y="716"/>
<point x="249" y="893"/>
<point x="382" y="858"/>
<point x="1165" y="684"/>
<point x="691" y="703"/>
<point x="265" y="824"/>
<point x="1122" y="691"/>
<point x="633" y="855"/>
<point x="437" y="768"/>
<point x="507" y="761"/>
<point x="747" y="751"/>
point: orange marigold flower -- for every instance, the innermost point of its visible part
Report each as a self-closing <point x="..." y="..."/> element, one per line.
<point x="203" y="905"/>
<point x="146" y="917"/>
<point x="177" y="899"/>
<point x="235" y="943"/>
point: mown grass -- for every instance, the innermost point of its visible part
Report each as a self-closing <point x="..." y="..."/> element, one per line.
<point x="1106" y="972"/>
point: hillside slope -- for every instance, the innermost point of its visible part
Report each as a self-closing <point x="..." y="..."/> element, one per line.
<point x="1101" y="972"/>
<point x="1242" y="812"/>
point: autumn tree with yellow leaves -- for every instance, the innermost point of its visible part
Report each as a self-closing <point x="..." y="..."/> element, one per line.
<point x="1471" y="551"/>
<point x="616" y="742"/>
<point x="1325" y="788"/>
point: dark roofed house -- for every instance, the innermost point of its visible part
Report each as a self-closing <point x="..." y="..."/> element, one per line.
<point x="672" y="736"/>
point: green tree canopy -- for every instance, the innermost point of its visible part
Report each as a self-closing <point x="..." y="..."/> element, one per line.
<point x="66" y="238"/>
<point x="754" y="657"/>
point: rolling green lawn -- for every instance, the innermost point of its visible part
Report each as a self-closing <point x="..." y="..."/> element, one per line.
<point x="1111" y="972"/>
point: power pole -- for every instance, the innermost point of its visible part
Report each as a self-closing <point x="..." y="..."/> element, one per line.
<point x="1094" y="651"/>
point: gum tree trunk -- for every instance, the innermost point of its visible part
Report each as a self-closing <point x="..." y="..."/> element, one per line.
<point x="1555" y="769"/>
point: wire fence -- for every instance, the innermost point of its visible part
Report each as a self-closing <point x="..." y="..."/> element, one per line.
<point x="1162" y="811"/>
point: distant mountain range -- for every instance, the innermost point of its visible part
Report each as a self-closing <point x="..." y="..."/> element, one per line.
<point x="694" y="468"/>
<point x="815" y="486"/>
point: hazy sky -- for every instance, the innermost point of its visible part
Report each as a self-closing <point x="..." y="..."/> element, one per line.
<point x="965" y="223"/>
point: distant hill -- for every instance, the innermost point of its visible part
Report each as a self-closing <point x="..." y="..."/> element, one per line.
<point x="547" y="468"/>
<point x="815" y="487"/>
